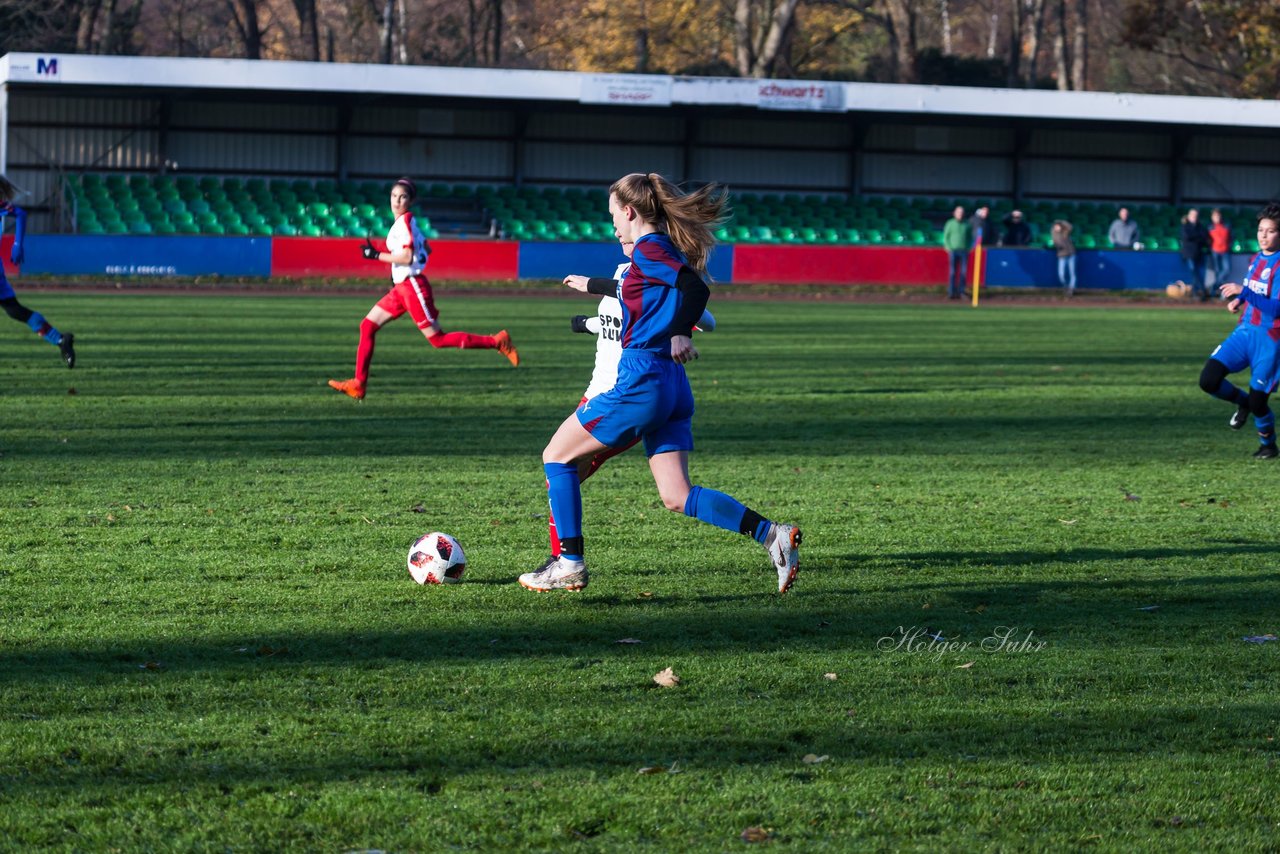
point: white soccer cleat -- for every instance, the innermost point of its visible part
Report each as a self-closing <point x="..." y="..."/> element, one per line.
<point x="559" y="574"/>
<point x="784" y="551"/>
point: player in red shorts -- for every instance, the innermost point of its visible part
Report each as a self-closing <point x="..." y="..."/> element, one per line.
<point x="407" y="251"/>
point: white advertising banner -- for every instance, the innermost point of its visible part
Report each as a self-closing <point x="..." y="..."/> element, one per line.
<point x="635" y="90"/>
<point x="799" y="95"/>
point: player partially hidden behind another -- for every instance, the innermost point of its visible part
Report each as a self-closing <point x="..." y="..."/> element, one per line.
<point x="8" y="299"/>
<point x="407" y="251"/>
<point x="662" y="296"/>
<point x="1255" y="341"/>
<point x="607" y="327"/>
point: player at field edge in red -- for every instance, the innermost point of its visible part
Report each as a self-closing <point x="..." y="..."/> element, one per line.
<point x="406" y="252"/>
<point x="662" y="296"/>
<point x="35" y="321"/>
<point x="607" y="327"/>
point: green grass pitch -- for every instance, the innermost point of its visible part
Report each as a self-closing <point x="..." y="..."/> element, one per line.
<point x="209" y="641"/>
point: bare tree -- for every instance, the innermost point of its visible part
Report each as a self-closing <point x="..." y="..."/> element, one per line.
<point x="244" y="14"/>
<point x="756" y="46"/>
<point x="1080" y="47"/>
<point x="308" y="29"/>
<point x="901" y="20"/>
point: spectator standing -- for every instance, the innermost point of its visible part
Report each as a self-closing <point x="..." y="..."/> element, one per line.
<point x="957" y="237"/>
<point x="1065" y="248"/>
<point x="1016" y="231"/>
<point x="1195" y="246"/>
<point x="1124" y="232"/>
<point x="1220" y="247"/>
<point x="980" y="225"/>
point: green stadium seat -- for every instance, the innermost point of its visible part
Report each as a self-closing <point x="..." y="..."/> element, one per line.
<point x="284" y="229"/>
<point x="164" y="228"/>
<point x="238" y="230"/>
<point x="213" y="228"/>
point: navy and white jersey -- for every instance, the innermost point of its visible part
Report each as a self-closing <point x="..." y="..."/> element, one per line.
<point x="1262" y="294"/>
<point x="650" y="300"/>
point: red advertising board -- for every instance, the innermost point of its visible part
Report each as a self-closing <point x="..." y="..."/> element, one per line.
<point x="470" y="260"/>
<point x="840" y="265"/>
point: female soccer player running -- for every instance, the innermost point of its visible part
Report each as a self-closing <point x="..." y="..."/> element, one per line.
<point x="407" y="251"/>
<point x="662" y="296"/>
<point x="64" y="341"/>
<point x="607" y="327"/>
<point x="1255" y="340"/>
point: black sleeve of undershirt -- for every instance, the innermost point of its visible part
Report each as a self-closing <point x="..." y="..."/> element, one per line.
<point x="604" y="287"/>
<point x="695" y="293"/>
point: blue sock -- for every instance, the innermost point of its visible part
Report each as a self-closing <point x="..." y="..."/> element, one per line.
<point x="725" y="511"/>
<point x="564" y="491"/>
<point x="1266" y="425"/>
<point x="41" y="327"/>
<point x="1226" y="391"/>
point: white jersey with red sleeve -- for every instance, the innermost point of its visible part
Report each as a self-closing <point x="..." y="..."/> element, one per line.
<point x="405" y="232"/>
<point x="607" y="325"/>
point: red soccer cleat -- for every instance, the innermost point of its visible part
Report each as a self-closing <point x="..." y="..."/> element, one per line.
<point x="351" y="388"/>
<point x="506" y="348"/>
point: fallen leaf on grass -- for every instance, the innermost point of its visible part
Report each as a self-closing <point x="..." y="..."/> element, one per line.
<point x="151" y="665"/>
<point x="1129" y="496"/>
<point x="814" y="759"/>
<point x="1067" y="521"/>
<point x="830" y="676"/>
<point x="978" y="609"/>
<point x="1149" y="608"/>
<point x="964" y="666"/>
<point x="756" y="834"/>
<point x="666" y="678"/>
<point x="660" y="769"/>
<point x="417" y="508"/>
<point x="629" y="640"/>
<point x="645" y="594"/>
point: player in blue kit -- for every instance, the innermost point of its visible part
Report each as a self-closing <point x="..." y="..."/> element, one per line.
<point x="1255" y="341"/>
<point x="8" y="299"/>
<point x="662" y="295"/>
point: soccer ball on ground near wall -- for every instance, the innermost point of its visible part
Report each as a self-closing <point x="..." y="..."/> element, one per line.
<point x="436" y="558"/>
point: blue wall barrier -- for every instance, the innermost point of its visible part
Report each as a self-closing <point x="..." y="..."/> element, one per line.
<point x="1095" y="268"/>
<point x="557" y="260"/>
<point x="147" y="256"/>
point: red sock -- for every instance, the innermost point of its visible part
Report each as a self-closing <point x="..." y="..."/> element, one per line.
<point x="364" y="352"/>
<point x="463" y="341"/>
<point x="599" y="459"/>
<point x="551" y="529"/>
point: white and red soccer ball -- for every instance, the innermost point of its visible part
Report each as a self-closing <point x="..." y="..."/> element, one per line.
<point x="436" y="558"/>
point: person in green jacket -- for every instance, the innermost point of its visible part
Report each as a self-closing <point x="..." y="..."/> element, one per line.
<point x="957" y="238"/>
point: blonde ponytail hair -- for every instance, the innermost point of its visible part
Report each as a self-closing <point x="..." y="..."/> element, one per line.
<point x="689" y="219"/>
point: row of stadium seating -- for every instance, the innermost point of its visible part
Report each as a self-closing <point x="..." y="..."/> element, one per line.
<point x="163" y="204"/>
<point x="186" y="205"/>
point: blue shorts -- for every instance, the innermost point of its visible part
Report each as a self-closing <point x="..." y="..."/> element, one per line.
<point x="6" y="289"/>
<point x="1251" y="347"/>
<point x="651" y="400"/>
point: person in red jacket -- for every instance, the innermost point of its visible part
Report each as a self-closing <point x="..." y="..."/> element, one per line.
<point x="1220" y="247"/>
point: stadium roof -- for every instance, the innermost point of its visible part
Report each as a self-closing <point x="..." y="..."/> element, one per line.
<point x="427" y="82"/>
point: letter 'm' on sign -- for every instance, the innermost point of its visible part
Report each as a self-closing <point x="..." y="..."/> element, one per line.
<point x="47" y="67"/>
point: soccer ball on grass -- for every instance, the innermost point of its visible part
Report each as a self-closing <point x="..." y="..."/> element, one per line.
<point x="436" y="558"/>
